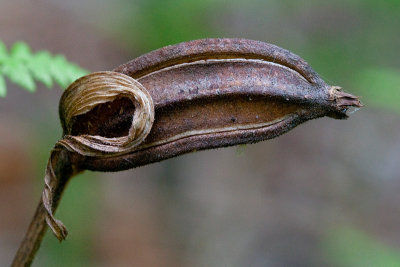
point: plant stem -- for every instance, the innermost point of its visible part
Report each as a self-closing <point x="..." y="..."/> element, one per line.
<point x="34" y="235"/>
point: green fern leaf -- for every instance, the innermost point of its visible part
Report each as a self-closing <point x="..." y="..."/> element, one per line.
<point x="40" y="66"/>
<point x="3" y="90"/>
<point x="21" y="51"/>
<point x="23" y="67"/>
<point x="19" y="74"/>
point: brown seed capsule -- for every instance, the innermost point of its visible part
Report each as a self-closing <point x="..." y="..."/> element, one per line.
<point x="199" y="86"/>
<point x="187" y="97"/>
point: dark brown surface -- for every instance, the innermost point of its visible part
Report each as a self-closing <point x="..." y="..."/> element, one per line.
<point x="205" y="49"/>
<point x="111" y="119"/>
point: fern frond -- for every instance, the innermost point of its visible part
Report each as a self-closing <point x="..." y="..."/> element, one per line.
<point x="23" y="67"/>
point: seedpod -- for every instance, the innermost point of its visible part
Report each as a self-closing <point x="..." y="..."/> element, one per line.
<point x="192" y="96"/>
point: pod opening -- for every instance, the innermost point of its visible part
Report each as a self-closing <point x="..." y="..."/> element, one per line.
<point x="111" y="119"/>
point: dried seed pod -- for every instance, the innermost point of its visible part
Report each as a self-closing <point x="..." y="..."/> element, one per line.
<point x="200" y="94"/>
<point x="221" y="92"/>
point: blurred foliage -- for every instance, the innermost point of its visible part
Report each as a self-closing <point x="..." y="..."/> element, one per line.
<point x="22" y="67"/>
<point x="379" y="87"/>
<point x="163" y="21"/>
<point x="350" y="247"/>
<point x="147" y="25"/>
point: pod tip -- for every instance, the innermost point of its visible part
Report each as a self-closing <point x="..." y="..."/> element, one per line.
<point x="343" y="102"/>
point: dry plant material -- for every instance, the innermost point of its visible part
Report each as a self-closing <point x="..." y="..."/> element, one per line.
<point x="192" y="96"/>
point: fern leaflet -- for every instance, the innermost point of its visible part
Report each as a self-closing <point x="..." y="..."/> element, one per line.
<point x="23" y="67"/>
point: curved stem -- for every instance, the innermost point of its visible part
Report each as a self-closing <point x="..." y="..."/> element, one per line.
<point x="34" y="235"/>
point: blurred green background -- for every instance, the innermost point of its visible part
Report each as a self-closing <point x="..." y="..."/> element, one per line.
<point x="325" y="194"/>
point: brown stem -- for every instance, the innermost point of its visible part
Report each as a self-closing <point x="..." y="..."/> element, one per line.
<point x="38" y="226"/>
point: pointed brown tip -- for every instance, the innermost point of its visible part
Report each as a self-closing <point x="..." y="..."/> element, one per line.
<point x="343" y="99"/>
<point x="342" y="102"/>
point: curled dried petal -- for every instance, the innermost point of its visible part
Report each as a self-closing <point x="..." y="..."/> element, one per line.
<point x="81" y="97"/>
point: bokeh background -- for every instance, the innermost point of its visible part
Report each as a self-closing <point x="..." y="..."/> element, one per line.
<point x="324" y="194"/>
